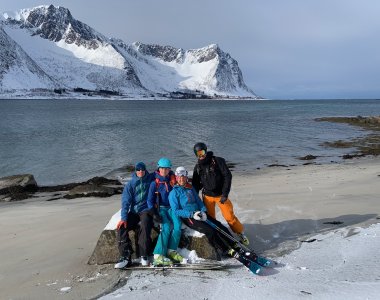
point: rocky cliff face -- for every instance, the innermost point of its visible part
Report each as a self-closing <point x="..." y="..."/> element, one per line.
<point x="70" y="55"/>
<point x="56" y="24"/>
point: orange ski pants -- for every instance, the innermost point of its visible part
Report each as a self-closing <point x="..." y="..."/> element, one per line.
<point x="227" y="210"/>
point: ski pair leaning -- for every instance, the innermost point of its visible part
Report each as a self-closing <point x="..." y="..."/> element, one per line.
<point x="243" y="254"/>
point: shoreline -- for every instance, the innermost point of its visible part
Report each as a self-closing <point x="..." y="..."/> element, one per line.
<point x="47" y="244"/>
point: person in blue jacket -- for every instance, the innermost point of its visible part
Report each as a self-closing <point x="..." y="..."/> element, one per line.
<point x="134" y="209"/>
<point x="187" y="205"/>
<point x="165" y="252"/>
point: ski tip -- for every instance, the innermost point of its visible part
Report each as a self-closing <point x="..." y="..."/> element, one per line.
<point x="254" y="268"/>
<point x="268" y="264"/>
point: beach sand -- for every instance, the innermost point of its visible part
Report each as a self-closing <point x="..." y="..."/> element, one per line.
<point x="45" y="245"/>
<point x="282" y="204"/>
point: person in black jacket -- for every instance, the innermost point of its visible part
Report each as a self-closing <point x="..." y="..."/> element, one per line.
<point x="212" y="176"/>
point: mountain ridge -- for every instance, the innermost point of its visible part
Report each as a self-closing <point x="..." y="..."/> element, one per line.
<point x="75" y="60"/>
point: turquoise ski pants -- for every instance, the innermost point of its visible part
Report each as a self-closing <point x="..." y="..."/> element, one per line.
<point x="169" y="237"/>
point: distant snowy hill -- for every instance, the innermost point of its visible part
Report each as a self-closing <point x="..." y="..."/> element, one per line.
<point x="46" y="52"/>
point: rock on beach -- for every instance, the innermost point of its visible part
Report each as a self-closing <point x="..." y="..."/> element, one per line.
<point x="17" y="187"/>
<point x="24" y="186"/>
<point x="106" y="250"/>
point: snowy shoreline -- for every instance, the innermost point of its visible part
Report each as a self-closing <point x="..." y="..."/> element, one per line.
<point x="47" y="244"/>
<point x="341" y="264"/>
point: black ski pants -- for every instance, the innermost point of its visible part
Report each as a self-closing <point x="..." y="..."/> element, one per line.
<point x="217" y="239"/>
<point x="144" y="239"/>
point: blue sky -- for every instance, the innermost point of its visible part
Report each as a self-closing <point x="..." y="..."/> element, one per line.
<point x="294" y="49"/>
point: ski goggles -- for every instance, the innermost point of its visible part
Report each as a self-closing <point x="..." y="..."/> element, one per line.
<point x="181" y="173"/>
<point x="140" y="169"/>
<point x="200" y="153"/>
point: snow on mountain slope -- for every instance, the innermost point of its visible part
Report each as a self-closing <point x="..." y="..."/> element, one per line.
<point x="153" y="75"/>
<point x="17" y="70"/>
<point x="79" y="57"/>
<point x="208" y="69"/>
<point x="76" y="55"/>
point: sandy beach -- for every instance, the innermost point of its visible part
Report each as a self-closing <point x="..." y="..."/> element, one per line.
<point x="45" y="245"/>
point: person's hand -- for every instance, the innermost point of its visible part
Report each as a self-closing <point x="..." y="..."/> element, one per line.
<point x="203" y="216"/>
<point x="223" y="199"/>
<point x="121" y="224"/>
<point x="197" y="215"/>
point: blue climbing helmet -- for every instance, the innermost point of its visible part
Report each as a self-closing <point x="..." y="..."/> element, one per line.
<point x="164" y="162"/>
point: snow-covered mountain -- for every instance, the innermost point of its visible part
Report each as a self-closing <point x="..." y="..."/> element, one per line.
<point x="46" y="50"/>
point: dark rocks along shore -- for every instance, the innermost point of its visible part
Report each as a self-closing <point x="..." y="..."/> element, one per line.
<point x="20" y="187"/>
<point x="366" y="145"/>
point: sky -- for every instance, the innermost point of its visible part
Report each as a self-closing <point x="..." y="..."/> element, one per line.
<point x="294" y="49"/>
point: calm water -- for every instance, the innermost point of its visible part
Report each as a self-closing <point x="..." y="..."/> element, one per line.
<point x="65" y="141"/>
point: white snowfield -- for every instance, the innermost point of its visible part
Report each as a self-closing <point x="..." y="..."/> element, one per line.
<point x="338" y="265"/>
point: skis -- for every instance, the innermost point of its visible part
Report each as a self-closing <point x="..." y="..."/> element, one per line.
<point x="250" y="264"/>
<point x="193" y="266"/>
<point x="244" y="255"/>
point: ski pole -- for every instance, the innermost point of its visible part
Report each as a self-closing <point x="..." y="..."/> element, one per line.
<point x="260" y="260"/>
<point x="245" y="248"/>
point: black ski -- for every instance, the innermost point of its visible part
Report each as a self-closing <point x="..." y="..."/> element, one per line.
<point x="244" y="255"/>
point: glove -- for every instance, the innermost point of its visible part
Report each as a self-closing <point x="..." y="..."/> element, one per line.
<point x="157" y="218"/>
<point x="203" y="216"/>
<point x="200" y="216"/>
<point x="223" y="199"/>
<point x="121" y="224"/>
<point x="197" y="216"/>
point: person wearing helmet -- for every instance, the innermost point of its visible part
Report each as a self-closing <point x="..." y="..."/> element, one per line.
<point x="186" y="204"/>
<point x="165" y="252"/>
<point x="212" y="176"/>
<point x="134" y="209"/>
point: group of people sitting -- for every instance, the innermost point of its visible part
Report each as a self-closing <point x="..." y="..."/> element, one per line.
<point x="167" y="198"/>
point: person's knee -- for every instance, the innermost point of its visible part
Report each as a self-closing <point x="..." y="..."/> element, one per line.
<point x="146" y="219"/>
<point x="228" y="215"/>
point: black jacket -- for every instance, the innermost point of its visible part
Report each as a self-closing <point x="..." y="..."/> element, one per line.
<point x="213" y="175"/>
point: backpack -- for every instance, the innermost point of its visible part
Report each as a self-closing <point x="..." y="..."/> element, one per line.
<point x="172" y="182"/>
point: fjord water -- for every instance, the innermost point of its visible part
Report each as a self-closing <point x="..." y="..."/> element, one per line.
<point x="72" y="140"/>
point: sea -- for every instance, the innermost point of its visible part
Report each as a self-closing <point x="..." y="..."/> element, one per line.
<point x="62" y="141"/>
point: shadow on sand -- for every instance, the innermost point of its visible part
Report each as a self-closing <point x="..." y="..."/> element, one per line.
<point x="281" y="238"/>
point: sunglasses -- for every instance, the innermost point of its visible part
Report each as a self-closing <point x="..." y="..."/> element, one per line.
<point x="140" y="169"/>
<point x="200" y="153"/>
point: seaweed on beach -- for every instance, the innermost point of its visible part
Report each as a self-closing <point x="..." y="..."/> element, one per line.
<point x="366" y="145"/>
<point x="334" y="222"/>
<point x="372" y="123"/>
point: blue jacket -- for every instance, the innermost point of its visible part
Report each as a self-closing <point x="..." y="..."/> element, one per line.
<point x="164" y="188"/>
<point x="184" y="201"/>
<point x="135" y="195"/>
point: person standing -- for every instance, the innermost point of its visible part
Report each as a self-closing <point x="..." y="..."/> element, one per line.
<point x="212" y="176"/>
<point x="134" y="209"/>
<point x="165" y="252"/>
